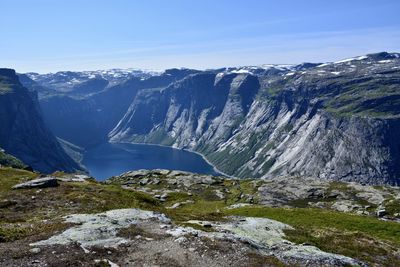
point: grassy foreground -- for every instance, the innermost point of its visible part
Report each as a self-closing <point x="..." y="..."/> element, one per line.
<point x="33" y="212"/>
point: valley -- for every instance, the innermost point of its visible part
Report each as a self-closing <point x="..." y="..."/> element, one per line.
<point x="294" y="165"/>
<point x="262" y="121"/>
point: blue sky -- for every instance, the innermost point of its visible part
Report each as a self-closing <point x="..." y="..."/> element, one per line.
<point x="53" y="35"/>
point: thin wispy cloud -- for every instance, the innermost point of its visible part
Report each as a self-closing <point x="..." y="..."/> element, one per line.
<point x="278" y="48"/>
<point x="212" y="34"/>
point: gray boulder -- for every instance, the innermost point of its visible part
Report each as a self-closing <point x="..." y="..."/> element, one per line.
<point x="38" y="183"/>
<point x="381" y="212"/>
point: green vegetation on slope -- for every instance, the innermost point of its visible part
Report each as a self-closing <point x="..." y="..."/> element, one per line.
<point x="362" y="237"/>
<point x="371" y="98"/>
<point x="305" y="217"/>
<point x="5" y="85"/>
<point x="10" y="177"/>
<point x="11" y="161"/>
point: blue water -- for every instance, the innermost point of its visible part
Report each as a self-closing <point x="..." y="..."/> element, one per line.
<point x="106" y="160"/>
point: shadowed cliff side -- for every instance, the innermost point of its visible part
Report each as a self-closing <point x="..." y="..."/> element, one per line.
<point x="23" y="133"/>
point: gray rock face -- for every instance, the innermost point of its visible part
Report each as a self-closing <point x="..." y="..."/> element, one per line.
<point x="174" y="178"/>
<point x="381" y="213"/>
<point x="23" y="133"/>
<point x="268" y="237"/>
<point x="332" y="121"/>
<point x="345" y="206"/>
<point x="101" y="229"/>
<point x="38" y="183"/>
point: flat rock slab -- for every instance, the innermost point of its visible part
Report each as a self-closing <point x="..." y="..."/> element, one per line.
<point x="101" y="229"/>
<point x="38" y="183"/>
<point x="79" y="178"/>
<point x="268" y="237"/>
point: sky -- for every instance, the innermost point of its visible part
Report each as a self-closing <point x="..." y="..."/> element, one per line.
<point x="53" y="35"/>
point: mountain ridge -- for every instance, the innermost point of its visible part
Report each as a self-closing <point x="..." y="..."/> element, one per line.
<point x="23" y="133"/>
<point x="252" y="121"/>
<point x="296" y="122"/>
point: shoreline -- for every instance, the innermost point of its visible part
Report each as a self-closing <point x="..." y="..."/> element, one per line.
<point x="188" y="150"/>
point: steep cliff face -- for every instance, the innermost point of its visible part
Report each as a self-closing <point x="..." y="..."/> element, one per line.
<point x="338" y="120"/>
<point x="23" y="132"/>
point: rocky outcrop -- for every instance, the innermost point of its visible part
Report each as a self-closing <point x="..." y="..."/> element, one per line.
<point x="330" y="121"/>
<point x="303" y="192"/>
<point x="143" y="218"/>
<point x="90" y="229"/>
<point x="268" y="236"/>
<point x="23" y="133"/>
<point x="101" y="230"/>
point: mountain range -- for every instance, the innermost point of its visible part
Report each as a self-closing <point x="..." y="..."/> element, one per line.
<point x="338" y="120"/>
<point x="331" y="121"/>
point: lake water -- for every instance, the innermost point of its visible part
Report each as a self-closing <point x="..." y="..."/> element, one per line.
<point x="106" y="160"/>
